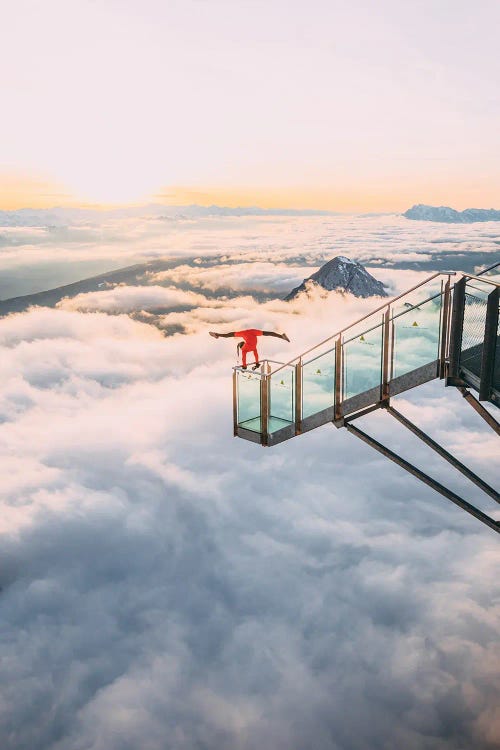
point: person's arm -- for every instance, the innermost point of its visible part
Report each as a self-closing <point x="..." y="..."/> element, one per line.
<point x="277" y="335"/>
<point x="223" y="335"/>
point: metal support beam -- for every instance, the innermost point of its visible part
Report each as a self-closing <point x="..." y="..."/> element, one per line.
<point x="363" y="412"/>
<point x="444" y="453"/>
<point x="484" y="413"/>
<point x="457" y="324"/>
<point x="490" y="344"/>
<point x="495" y="525"/>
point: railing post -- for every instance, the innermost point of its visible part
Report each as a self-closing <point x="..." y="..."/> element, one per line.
<point x="264" y="403"/>
<point x="298" y="397"/>
<point x="235" y="405"/>
<point x="444" y="329"/>
<point x="337" y="410"/>
<point x="384" y="395"/>
<point x="456" y="329"/>
<point x="489" y="346"/>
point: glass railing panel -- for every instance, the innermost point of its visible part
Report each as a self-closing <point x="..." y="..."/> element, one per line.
<point x="248" y="400"/>
<point x="362" y="361"/>
<point x="282" y="399"/>
<point x="418" y="296"/>
<point x="416" y="336"/>
<point x="476" y="301"/>
<point x="318" y="383"/>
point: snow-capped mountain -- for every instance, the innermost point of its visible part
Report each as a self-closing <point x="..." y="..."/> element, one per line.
<point x="345" y="275"/>
<point x="421" y="212"/>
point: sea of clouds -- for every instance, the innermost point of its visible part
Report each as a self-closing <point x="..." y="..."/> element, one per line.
<point x="33" y="259"/>
<point x="164" y="585"/>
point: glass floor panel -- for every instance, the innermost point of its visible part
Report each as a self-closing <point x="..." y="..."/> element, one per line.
<point x="275" y="423"/>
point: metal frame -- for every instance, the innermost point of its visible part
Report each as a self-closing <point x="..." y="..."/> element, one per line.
<point x="445" y="328"/>
<point x="235" y="405"/>
<point x="264" y="403"/>
<point x="484" y="413"/>
<point x="489" y="346"/>
<point x="443" y="452"/>
<point x="386" y="375"/>
<point x="298" y="397"/>
<point x="456" y="330"/>
<point x="337" y="408"/>
<point x="425" y="478"/>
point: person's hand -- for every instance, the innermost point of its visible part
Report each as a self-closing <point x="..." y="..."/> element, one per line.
<point x="284" y="336"/>
<point x="215" y="335"/>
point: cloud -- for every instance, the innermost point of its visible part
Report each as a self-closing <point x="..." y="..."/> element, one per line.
<point x="301" y="241"/>
<point x="130" y="299"/>
<point x="264" y="277"/>
<point x="164" y="585"/>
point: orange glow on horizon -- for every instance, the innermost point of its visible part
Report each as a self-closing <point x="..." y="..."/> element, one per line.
<point x="390" y="196"/>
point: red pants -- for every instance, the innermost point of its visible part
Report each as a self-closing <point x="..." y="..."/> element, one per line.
<point x="245" y="350"/>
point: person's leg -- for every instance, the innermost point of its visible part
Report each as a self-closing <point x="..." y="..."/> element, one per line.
<point x="256" y="355"/>
<point x="244" y="357"/>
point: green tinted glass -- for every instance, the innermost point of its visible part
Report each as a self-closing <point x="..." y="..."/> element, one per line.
<point x="416" y="336"/>
<point x="248" y="395"/>
<point x="362" y="361"/>
<point x="282" y="396"/>
<point x="318" y="383"/>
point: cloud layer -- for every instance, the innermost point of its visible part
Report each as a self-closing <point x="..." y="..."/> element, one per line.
<point x="37" y="258"/>
<point x="164" y="585"/>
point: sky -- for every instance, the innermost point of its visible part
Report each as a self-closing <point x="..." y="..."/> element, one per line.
<point x="344" y="106"/>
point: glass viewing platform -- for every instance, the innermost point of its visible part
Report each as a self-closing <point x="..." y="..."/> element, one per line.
<point x="400" y="345"/>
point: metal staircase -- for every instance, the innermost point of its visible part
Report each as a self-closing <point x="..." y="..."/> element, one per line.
<point x="443" y="328"/>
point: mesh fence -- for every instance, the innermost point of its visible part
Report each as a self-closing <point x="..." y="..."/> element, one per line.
<point x="473" y="332"/>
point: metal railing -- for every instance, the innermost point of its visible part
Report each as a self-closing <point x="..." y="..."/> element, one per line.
<point x="364" y="317"/>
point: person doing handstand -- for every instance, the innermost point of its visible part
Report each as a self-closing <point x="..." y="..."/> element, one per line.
<point x="249" y="343"/>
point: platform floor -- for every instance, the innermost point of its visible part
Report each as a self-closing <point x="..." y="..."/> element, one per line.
<point x="275" y="423"/>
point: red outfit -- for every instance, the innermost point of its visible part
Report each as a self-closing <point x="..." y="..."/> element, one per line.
<point x="250" y="338"/>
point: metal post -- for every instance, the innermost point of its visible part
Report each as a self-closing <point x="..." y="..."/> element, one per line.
<point x="489" y="347"/>
<point x="456" y="330"/>
<point x="264" y="403"/>
<point x="298" y="397"/>
<point x="235" y="406"/>
<point x="444" y="329"/>
<point x="338" y="380"/>
<point x="384" y="391"/>
<point x="393" y="336"/>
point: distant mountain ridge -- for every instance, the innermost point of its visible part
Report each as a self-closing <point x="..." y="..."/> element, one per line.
<point x="60" y="216"/>
<point x="342" y="274"/>
<point x="421" y="212"/>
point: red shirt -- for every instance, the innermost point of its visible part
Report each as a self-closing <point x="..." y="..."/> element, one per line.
<point x="249" y="337"/>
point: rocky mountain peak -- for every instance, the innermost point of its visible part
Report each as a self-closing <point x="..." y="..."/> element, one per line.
<point x="345" y="275"/>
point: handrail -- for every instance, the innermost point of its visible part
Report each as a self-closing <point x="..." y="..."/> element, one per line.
<point x="357" y="322"/>
<point x="482" y="280"/>
<point x="485" y="270"/>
